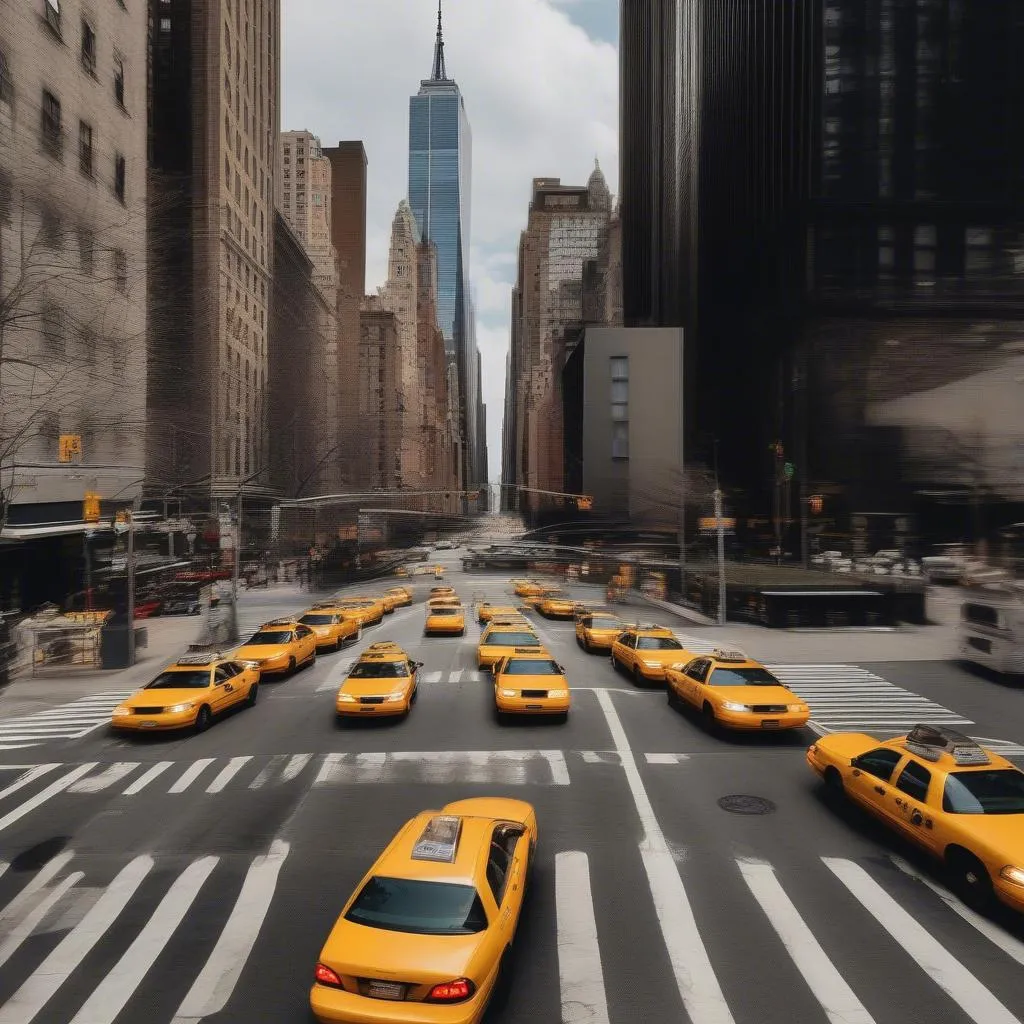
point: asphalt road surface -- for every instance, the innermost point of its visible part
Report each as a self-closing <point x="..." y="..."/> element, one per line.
<point x="194" y="878"/>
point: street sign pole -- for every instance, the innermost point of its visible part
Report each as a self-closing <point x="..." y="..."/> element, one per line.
<point x="721" y="556"/>
<point x="130" y="570"/>
<point x="236" y="567"/>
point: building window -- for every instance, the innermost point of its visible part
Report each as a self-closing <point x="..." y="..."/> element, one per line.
<point x="51" y="231"/>
<point x="87" y="339"/>
<point x="6" y="92"/>
<point x="620" y="440"/>
<point x="50" y="125"/>
<point x="119" y="80"/>
<point x="618" y="367"/>
<point x="120" y="266"/>
<point x="119" y="176"/>
<point x="165" y="26"/>
<point x="85" y="148"/>
<point x="88" y="47"/>
<point x="51" y="10"/>
<point x="6" y="195"/>
<point x="49" y="435"/>
<point x="53" y="330"/>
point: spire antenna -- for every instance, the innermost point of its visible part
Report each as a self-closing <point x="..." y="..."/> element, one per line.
<point x="439" y="74"/>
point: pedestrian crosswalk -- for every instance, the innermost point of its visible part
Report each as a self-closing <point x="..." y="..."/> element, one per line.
<point x="82" y="939"/>
<point x="64" y="722"/>
<point x="851" y="698"/>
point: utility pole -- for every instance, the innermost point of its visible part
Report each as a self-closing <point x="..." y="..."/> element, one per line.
<point x="130" y="570"/>
<point x="237" y="562"/>
<point x="720" y="527"/>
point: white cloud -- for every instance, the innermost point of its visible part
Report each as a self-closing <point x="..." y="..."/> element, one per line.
<point x="541" y="96"/>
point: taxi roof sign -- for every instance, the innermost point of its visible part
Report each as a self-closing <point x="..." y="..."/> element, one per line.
<point x="439" y="841"/>
<point x="279" y="622"/>
<point x="931" y="742"/>
<point x="199" y="659"/>
<point x="728" y="654"/>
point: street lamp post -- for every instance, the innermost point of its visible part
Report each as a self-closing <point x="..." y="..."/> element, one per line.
<point x="130" y="568"/>
<point x="720" y="524"/>
<point x="235" y="569"/>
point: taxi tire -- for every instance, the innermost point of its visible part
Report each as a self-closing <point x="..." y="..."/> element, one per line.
<point x="252" y="695"/>
<point x="707" y="714"/>
<point x="671" y="697"/>
<point x="291" y="665"/>
<point x="203" y="719"/>
<point x="969" y="878"/>
<point x="638" y="678"/>
<point x="834" y="781"/>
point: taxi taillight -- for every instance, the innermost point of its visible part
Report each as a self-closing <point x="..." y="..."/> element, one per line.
<point x="325" y="976"/>
<point x="452" y="991"/>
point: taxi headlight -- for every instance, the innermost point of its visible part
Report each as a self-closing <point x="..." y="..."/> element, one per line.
<point x="346" y="698"/>
<point x="652" y="664"/>
<point x="121" y="712"/>
<point x="176" y="708"/>
<point x="507" y="693"/>
<point x="393" y="698"/>
<point x="1012" y="874"/>
<point x="731" y="705"/>
<point x="558" y="694"/>
<point x="799" y="708"/>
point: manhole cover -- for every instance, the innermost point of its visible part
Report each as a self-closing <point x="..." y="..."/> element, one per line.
<point x="740" y="804"/>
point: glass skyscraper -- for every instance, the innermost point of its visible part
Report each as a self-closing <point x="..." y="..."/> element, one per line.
<point x="440" y="162"/>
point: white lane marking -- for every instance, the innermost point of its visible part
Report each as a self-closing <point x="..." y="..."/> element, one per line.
<point x="28" y="924"/>
<point x="40" y="987"/>
<point x="328" y="768"/>
<point x="1008" y="943"/>
<point x="666" y="758"/>
<point x="212" y="989"/>
<point x="269" y="769"/>
<point x="837" y="999"/>
<point x="58" y="786"/>
<point x="190" y="775"/>
<point x="227" y="773"/>
<point x="579" y="956"/>
<point x="295" y="766"/>
<point x="108" y="777"/>
<point x="147" y="777"/>
<point x="39" y="881"/>
<point x="933" y="958"/>
<point x="455" y="677"/>
<point x="432" y="677"/>
<point x="695" y="977"/>
<point x="112" y="994"/>
<point x="28" y="777"/>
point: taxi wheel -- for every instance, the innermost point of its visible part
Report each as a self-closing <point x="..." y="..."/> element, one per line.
<point x="708" y="715"/>
<point x="253" y="694"/>
<point x="203" y="717"/>
<point x="671" y="697"/>
<point x="291" y="665"/>
<point x="834" y="781"/>
<point x="638" y="679"/>
<point x="969" y="878"/>
<point x="615" y="664"/>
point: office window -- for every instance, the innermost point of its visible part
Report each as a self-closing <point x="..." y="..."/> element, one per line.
<point x="85" y="148"/>
<point x="88" y="47"/>
<point x="50" y="125"/>
<point x="86" y="249"/>
<point x="119" y="176"/>
<point x="53" y="330"/>
<point x="119" y="80"/>
<point x="51" y="230"/>
<point x="619" y="367"/>
<point x="6" y="89"/>
<point x="51" y="9"/>
<point x="619" y="394"/>
<point x="620" y="440"/>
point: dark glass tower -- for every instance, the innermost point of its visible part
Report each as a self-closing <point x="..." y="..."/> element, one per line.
<point x="440" y="165"/>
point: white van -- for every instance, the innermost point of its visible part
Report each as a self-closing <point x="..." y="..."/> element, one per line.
<point x="992" y="633"/>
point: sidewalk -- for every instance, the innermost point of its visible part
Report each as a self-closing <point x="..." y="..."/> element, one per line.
<point x="824" y="646"/>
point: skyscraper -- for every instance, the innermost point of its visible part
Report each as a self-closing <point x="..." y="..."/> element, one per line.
<point x="440" y="161"/>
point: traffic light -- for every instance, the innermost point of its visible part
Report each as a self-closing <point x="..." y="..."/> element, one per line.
<point x="584" y="503"/>
<point x="816" y="503"/>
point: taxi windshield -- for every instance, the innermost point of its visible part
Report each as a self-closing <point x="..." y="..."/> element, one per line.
<point x="999" y="791"/>
<point x="658" y="643"/>
<point x="512" y="640"/>
<point x="379" y="670"/>
<point x="606" y="622"/>
<point x="268" y="637"/>
<point x="318" y="620"/>
<point x="743" y="677"/>
<point x="445" y="610"/>
<point x="422" y="908"/>
<point x="531" y="667"/>
<point x="197" y="680"/>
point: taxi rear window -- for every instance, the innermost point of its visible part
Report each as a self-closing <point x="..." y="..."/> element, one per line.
<point x="999" y="791"/>
<point x="318" y="620"/>
<point x="531" y="667"/>
<point x="752" y="676"/>
<point x="276" y="637"/>
<point x="658" y="643"/>
<point x="418" y="907"/>
<point x="181" y="680"/>
<point x="445" y="610"/>
<point x="512" y="640"/>
<point x="379" y="670"/>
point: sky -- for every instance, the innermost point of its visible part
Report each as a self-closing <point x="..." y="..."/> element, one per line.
<point x="540" y="83"/>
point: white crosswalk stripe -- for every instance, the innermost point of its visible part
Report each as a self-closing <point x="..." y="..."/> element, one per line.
<point x="851" y="698"/>
<point x="136" y="921"/>
<point x="68" y="721"/>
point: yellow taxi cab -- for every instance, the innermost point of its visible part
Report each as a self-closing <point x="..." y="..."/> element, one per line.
<point x="189" y="694"/>
<point x="597" y="630"/>
<point x="384" y="681"/>
<point x="446" y="618"/>
<point x="486" y="611"/>
<point x="400" y="596"/>
<point x="556" y="604"/>
<point x="530" y="682"/>
<point x="527" y="588"/>
<point x="368" y="610"/>
<point x="401" y="572"/>
<point x="733" y="691"/>
<point x="961" y="803"/>
<point x="644" y="650"/>
<point x="332" y="629"/>
<point x="389" y="601"/>
<point x="444" y="601"/>
<point x="281" y="645"/>
<point x="500" y="639"/>
<point x="425" y="936"/>
<point x="441" y="592"/>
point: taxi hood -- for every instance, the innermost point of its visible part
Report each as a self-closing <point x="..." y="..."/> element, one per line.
<point x="664" y="657"/>
<point x="758" y="694"/>
<point x="360" y="951"/>
<point x="374" y="687"/>
<point x="256" y="651"/>
<point x="165" y="696"/>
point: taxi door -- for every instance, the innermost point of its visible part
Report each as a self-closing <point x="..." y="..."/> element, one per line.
<point x="869" y="782"/>
<point x="305" y="639"/>
<point x="915" y="817"/>
<point x="223" y="695"/>
<point x="583" y="623"/>
<point x="624" y="651"/>
<point x="694" y="676"/>
<point x="506" y="866"/>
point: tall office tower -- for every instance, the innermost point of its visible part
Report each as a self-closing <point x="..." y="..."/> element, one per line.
<point x="440" y="163"/>
<point x="214" y="122"/>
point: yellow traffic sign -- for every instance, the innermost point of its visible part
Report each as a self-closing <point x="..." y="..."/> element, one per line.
<point x="70" y="447"/>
